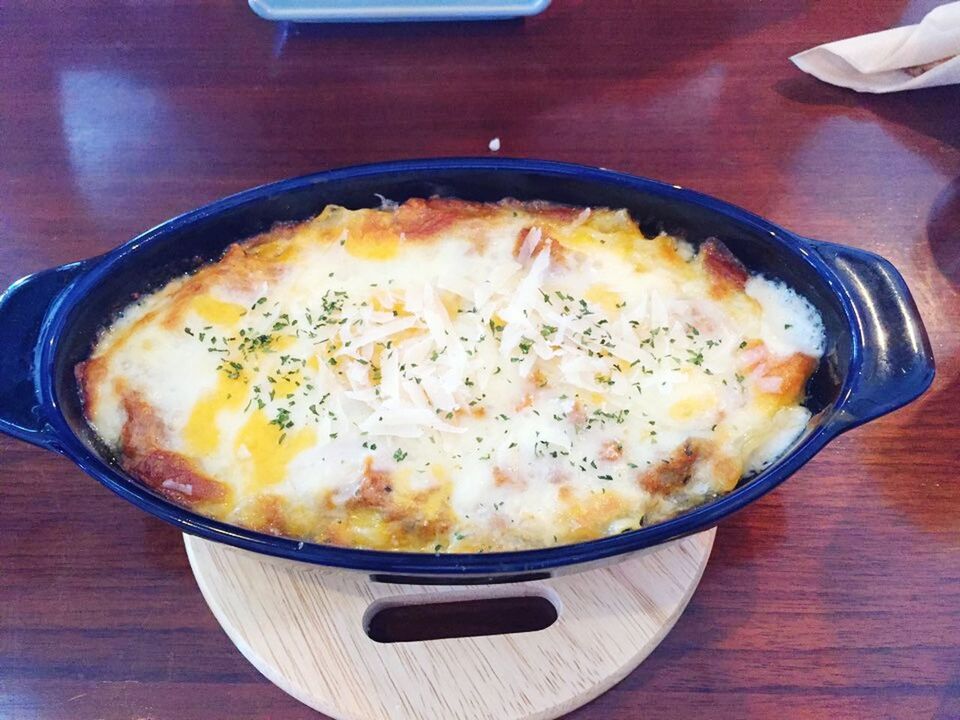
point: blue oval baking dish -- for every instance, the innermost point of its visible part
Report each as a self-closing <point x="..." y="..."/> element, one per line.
<point x="878" y="357"/>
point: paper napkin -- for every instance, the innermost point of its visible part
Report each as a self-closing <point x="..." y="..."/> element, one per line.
<point x="903" y="58"/>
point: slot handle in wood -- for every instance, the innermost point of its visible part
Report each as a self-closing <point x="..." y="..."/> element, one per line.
<point x="458" y="615"/>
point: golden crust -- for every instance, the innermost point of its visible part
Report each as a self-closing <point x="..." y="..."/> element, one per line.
<point x="420" y="219"/>
<point x="90" y="375"/>
<point x="674" y="472"/>
<point x="175" y="477"/>
<point x="375" y="488"/>
<point x="726" y="272"/>
<point x="142" y="454"/>
<point x="781" y="379"/>
<point x="556" y="250"/>
<point x="793" y="372"/>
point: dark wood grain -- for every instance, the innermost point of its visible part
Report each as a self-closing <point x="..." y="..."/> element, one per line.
<point x="835" y="596"/>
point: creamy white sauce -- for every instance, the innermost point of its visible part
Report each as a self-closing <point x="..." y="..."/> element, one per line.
<point x="789" y="323"/>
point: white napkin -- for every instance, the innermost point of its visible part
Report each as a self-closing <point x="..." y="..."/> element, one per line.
<point x="904" y="58"/>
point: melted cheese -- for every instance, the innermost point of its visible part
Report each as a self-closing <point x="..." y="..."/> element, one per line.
<point x="477" y="377"/>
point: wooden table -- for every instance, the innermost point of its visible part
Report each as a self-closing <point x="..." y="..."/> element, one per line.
<point x="835" y="596"/>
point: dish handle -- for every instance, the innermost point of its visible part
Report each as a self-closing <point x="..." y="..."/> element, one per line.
<point x="23" y="308"/>
<point x="897" y="363"/>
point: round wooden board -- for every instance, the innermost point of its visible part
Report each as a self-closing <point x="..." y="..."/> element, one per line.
<point x="303" y="628"/>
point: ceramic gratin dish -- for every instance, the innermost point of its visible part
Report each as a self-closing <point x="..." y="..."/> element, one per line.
<point x="877" y="356"/>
